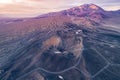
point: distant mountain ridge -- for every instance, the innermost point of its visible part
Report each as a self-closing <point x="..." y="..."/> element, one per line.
<point x="82" y="10"/>
<point x="87" y="11"/>
<point x="85" y="15"/>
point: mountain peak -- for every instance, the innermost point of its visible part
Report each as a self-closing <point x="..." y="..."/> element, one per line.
<point x="84" y="10"/>
<point x="93" y="6"/>
<point x="90" y="7"/>
<point x="86" y="13"/>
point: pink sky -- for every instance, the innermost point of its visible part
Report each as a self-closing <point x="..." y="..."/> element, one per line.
<point x="27" y="8"/>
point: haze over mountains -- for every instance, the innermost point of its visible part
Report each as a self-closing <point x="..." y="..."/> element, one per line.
<point x="84" y="40"/>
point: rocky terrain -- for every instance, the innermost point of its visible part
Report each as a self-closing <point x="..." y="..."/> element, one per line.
<point x="81" y="43"/>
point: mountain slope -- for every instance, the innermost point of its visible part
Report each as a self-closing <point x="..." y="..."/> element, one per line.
<point x="73" y="44"/>
<point x="85" y="15"/>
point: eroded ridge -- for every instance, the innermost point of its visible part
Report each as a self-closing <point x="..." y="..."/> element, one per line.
<point x="58" y="54"/>
<point x="77" y="47"/>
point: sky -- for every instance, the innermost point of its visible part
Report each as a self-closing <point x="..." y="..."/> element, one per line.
<point x="30" y="8"/>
